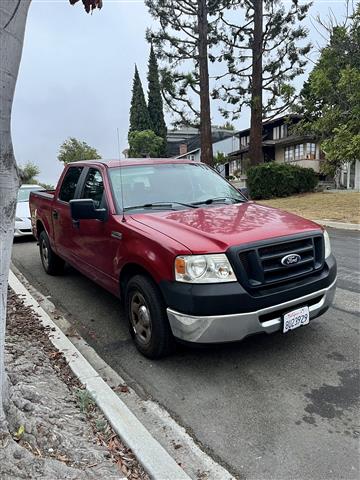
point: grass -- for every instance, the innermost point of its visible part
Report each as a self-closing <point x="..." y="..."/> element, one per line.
<point x="338" y="207"/>
<point x="84" y="399"/>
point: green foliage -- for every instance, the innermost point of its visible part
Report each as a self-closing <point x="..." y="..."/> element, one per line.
<point x="228" y="126"/>
<point x="47" y="186"/>
<point x="73" y="150"/>
<point x="139" y="114"/>
<point x="28" y="173"/>
<point x="270" y="180"/>
<point x="145" y="144"/>
<point x="330" y="99"/>
<point x="84" y="399"/>
<point x="219" y="160"/>
<point x="155" y="102"/>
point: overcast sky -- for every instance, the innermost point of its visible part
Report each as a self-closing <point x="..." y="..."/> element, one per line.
<point x="76" y="75"/>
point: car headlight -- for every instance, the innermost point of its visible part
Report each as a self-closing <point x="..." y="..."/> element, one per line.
<point x="18" y="219"/>
<point x="327" y="244"/>
<point x="213" y="268"/>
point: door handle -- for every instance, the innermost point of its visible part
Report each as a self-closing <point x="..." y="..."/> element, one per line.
<point x="55" y="214"/>
<point x="76" y="223"/>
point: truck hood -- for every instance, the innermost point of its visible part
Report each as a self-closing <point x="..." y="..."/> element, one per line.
<point x="215" y="229"/>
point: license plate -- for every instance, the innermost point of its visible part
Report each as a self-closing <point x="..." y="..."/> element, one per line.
<point x="296" y="319"/>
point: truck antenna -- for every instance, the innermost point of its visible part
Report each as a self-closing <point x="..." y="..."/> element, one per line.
<point x="121" y="178"/>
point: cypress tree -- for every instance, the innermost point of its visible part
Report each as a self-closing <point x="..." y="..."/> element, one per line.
<point x="155" y="102"/>
<point x="139" y="114"/>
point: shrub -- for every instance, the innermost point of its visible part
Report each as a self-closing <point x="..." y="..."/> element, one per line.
<point x="270" y="180"/>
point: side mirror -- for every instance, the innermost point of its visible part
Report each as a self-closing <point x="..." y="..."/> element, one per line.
<point x="84" y="209"/>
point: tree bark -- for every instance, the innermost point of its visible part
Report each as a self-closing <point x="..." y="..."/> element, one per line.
<point x="205" y="114"/>
<point x="255" y="147"/>
<point x="13" y="14"/>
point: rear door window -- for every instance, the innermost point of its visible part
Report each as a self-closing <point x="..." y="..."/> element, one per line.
<point x="69" y="184"/>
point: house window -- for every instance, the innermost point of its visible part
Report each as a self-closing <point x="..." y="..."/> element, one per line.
<point x="311" y="151"/>
<point x="245" y="140"/>
<point x="299" y="151"/>
<point x="289" y="154"/>
<point x="280" y="132"/>
<point x="234" y="166"/>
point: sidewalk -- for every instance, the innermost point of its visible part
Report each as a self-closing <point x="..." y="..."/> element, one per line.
<point x="55" y="431"/>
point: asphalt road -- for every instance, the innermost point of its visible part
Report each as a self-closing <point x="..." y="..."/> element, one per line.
<point x="270" y="407"/>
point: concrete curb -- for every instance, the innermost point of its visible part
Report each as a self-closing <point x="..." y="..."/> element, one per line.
<point x="341" y="225"/>
<point x="153" y="457"/>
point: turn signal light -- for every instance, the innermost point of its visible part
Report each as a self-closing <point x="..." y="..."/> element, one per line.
<point x="180" y="266"/>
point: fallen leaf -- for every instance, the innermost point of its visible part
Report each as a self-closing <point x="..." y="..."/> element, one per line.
<point x="20" y="432"/>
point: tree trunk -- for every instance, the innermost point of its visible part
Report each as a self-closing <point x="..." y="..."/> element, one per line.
<point x="205" y="116"/>
<point x="13" y="15"/>
<point x="255" y="147"/>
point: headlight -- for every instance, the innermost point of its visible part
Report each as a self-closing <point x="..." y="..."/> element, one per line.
<point x="17" y="219"/>
<point x="327" y="244"/>
<point x="203" y="269"/>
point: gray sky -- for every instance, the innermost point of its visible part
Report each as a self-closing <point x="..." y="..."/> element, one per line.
<point x="76" y="75"/>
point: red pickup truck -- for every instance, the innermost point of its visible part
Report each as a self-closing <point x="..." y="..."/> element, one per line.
<point x="191" y="258"/>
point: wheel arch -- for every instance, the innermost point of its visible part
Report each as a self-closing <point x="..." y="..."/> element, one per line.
<point x="39" y="228"/>
<point x="128" y="271"/>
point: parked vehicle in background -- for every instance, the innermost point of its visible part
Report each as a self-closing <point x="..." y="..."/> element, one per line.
<point x="191" y="258"/>
<point x="23" y="218"/>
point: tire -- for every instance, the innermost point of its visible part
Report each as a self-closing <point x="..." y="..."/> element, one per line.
<point x="148" y="322"/>
<point x="53" y="265"/>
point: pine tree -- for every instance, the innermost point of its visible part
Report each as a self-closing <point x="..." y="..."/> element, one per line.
<point x="186" y="33"/>
<point x="139" y="114"/>
<point x="264" y="54"/>
<point x="155" y="102"/>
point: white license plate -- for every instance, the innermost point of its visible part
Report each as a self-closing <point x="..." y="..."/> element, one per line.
<point x="296" y="319"/>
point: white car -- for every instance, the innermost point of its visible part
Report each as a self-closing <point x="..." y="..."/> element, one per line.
<point x="23" y="218"/>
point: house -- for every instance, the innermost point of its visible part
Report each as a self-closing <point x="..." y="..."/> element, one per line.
<point x="185" y="142"/>
<point x="280" y="144"/>
<point x="225" y="146"/>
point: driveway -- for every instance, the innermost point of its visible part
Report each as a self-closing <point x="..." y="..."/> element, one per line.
<point x="270" y="407"/>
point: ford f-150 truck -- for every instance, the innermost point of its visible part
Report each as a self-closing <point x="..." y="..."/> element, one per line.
<point x="191" y="258"/>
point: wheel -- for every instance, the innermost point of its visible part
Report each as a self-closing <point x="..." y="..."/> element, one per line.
<point x="53" y="265"/>
<point x="149" y="325"/>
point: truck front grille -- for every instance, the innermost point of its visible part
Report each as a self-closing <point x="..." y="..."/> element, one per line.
<point x="259" y="265"/>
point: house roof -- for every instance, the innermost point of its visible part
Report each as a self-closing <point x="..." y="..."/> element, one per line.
<point x="191" y="137"/>
<point x="184" y="155"/>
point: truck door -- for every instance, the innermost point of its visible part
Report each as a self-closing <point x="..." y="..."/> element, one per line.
<point x="95" y="247"/>
<point x="61" y="215"/>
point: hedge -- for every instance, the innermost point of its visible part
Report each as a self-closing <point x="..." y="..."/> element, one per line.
<point x="270" y="180"/>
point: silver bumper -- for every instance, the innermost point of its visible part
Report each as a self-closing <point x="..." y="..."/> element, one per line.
<point x="230" y="328"/>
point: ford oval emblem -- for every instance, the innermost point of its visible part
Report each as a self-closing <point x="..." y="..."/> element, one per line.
<point x="291" y="259"/>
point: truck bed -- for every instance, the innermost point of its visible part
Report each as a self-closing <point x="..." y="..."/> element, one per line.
<point x="41" y="203"/>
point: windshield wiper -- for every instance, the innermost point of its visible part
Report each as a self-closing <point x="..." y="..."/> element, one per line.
<point x="161" y="204"/>
<point x="218" y="199"/>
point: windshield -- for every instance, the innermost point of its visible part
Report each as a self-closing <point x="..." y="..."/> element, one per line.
<point x="176" y="184"/>
<point x="24" y="193"/>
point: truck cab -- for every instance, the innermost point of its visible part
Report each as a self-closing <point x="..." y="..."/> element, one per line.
<point x="190" y="257"/>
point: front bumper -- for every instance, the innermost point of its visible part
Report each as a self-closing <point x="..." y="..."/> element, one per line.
<point x="234" y="327"/>
<point x="23" y="228"/>
<point x="21" y="232"/>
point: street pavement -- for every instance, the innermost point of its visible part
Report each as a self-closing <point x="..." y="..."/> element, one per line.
<point x="270" y="407"/>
